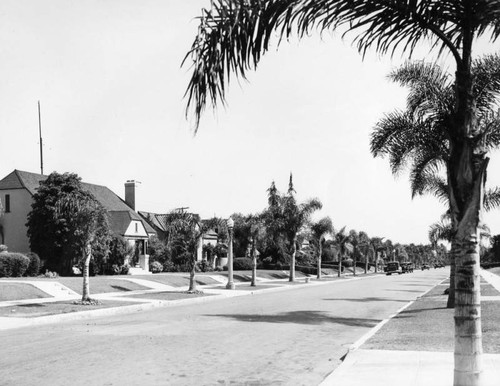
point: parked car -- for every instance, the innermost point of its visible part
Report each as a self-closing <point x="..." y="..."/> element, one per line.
<point x="407" y="267"/>
<point x="425" y="266"/>
<point x="393" y="267"/>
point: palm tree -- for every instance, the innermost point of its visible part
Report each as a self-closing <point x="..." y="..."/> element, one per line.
<point x="376" y="245"/>
<point x="255" y="225"/>
<point x="342" y="239"/>
<point x="234" y="34"/>
<point x="285" y="218"/>
<point x="418" y="137"/>
<point x="87" y="223"/>
<point x="363" y="245"/>
<point x="190" y="227"/>
<point x="319" y="230"/>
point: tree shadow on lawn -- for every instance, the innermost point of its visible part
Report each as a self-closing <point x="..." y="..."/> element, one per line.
<point x="120" y="288"/>
<point x="302" y="317"/>
<point x="410" y="313"/>
<point x="403" y="290"/>
<point x="369" y="299"/>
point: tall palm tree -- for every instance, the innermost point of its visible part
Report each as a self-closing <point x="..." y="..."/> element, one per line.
<point x="286" y="218"/>
<point x="234" y="34"/>
<point x="319" y="230"/>
<point x="417" y="138"/>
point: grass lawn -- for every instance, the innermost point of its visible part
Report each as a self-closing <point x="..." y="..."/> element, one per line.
<point x="429" y="326"/>
<point x="169" y="295"/>
<point x="20" y="291"/>
<point x="495" y="270"/>
<point x="43" y="309"/>
<point x="100" y="284"/>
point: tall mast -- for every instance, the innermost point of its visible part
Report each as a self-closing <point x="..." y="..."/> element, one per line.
<point x="41" y="141"/>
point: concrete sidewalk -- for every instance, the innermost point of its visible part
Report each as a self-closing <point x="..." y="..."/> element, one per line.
<point x="409" y="368"/>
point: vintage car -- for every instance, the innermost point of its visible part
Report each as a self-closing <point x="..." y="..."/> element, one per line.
<point x="407" y="267"/>
<point x="425" y="266"/>
<point x="393" y="267"/>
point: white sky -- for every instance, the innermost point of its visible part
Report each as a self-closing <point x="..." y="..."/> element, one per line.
<point x="108" y="75"/>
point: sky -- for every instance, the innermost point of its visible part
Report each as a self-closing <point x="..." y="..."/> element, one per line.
<point x="109" y="79"/>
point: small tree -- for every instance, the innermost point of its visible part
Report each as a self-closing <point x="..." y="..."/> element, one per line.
<point x="319" y="231"/>
<point x="191" y="228"/>
<point x="87" y="226"/>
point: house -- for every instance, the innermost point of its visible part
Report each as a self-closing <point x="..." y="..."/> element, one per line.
<point x="158" y="222"/>
<point x="16" y="196"/>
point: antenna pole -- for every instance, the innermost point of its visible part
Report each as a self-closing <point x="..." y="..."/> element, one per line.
<point x="41" y="141"/>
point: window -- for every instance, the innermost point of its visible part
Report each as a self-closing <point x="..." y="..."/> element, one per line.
<point x="7" y="203"/>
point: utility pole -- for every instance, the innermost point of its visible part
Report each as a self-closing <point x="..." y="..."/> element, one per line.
<point x="41" y="141"/>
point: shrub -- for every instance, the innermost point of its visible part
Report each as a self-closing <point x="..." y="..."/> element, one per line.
<point x="168" y="266"/>
<point x="307" y="270"/>
<point x="13" y="264"/>
<point x="242" y="264"/>
<point x="124" y="269"/>
<point x="3" y="248"/>
<point x="50" y="274"/>
<point x="156" y="267"/>
<point x="203" y="266"/>
<point x="34" y="265"/>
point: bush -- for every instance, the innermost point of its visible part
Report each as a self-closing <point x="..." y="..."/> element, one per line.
<point x="13" y="264"/>
<point x="203" y="266"/>
<point x="168" y="266"/>
<point x="267" y="262"/>
<point x="156" y="267"/>
<point x="50" y="275"/>
<point x="34" y="265"/>
<point x="242" y="264"/>
<point x="3" y="248"/>
<point x="307" y="270"/>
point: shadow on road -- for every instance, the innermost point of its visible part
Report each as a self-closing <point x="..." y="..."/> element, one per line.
<point x="369" y="299"/>
<point x="301" y="317"/>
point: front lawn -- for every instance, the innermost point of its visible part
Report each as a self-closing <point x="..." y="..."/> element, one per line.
<point x="20" y="291"/>
<point x="34" y="310"/>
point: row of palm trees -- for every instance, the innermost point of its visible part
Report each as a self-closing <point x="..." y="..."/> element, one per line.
<point x="234" y="34"/>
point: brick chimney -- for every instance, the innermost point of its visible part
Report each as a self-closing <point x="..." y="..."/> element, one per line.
<point x="130" y="193"/>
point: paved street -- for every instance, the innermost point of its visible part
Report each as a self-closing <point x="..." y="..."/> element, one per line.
<point x="293" y="337"/>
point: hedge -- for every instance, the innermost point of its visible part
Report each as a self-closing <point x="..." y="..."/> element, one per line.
<point x="242" y="264"/>
<point x="13" y="264"/>
<point x="34" y="265"/>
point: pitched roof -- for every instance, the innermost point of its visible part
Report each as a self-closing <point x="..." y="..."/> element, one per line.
<point x="120" y="213"/>
<point x="22" y="180"/>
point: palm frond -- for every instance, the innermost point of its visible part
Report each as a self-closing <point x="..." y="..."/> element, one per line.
<point x="234" y="34"/>
<point x="491" y="199"/>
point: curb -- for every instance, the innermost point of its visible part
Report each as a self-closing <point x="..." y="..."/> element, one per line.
<point x="8" y="323"/>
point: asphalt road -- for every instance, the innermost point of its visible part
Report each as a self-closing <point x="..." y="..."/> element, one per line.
<point x="293" y="337"/>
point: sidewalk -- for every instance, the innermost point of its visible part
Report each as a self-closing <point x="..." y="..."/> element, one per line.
<point x="374" y="365"/>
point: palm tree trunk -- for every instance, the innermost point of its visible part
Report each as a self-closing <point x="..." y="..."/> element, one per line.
<point x="254" y="266"/>
<point x="354" y="264"/>
<point x="366" y="264"/>
<point x="319" y="260"/>
<point x="292" y="263"/>
<point x="192" y="281"/>
<point x="86" y="266"/>
<point x="340" y="265"/>
<point x="451" y="291"/>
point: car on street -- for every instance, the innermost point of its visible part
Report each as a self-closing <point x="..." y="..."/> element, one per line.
<point x="425" y="266"/>
<point x="407" y="267"/>
<point x="393" y="267"/>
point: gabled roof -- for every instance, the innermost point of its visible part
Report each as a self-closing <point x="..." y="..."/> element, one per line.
<point x="119" y="212"/>
<point x="22" y="180"/>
